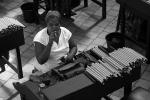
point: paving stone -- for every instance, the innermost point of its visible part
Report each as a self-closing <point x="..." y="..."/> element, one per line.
<point x="113" y="12"/>
<point x="81" y="47"/>
<point x="92" y="35"/>
<point x="2" y="83"/>
<point x="30" y="29"/>
<point x="5" y="75"/>
<point x="24" y="60"/>
<point x="24" y="48"/>
<point x="14" y="13"/>
<point x="142" y="83"/>
<point x="110" y="29"/>
<point x="29" y="40"/>
<point x="96" y="29"/>
<point x="148" y="68"/>
<point x="7" y="90"/>
<point x="144" y="67"/>
<point x="116" y="7"/>
<point x="103" y="24"/>
<point x="114" y="97"/>
<point x="85" y="41"/>
<point x="146" y="75"/>
<point x="29" y="53"/>
<point x="98" y="41"/>
<point x="17" y="97"/>
<point x="119" y="93"/>
<point x="102" y="35"/>
<point x="26" y="34"/>
<point x="92" y="45"/>
<point x="12" y="4"/>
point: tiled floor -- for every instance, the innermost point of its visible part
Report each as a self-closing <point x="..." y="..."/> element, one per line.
<point x="88" y="31"/>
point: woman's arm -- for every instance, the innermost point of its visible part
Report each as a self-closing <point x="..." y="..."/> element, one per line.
<point x="72" y="49"/>
<point x="42" y="52"/>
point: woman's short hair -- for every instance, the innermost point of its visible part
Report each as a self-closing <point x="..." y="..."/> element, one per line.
<point x="51" y="15"/>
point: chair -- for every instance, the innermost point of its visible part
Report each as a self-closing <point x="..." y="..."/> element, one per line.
<point x="140" y="9"/>
<point x="44" y="4"/>
<point x="101" y="4"/>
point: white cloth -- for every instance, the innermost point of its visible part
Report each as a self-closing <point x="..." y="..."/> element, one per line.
<point x="57" y="50"/>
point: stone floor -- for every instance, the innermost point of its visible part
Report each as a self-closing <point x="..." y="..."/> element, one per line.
<point x="88" y="31"/>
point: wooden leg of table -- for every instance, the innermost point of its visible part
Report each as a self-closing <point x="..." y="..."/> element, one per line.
<point x="53" y="4"/>
<point x="103" y="9"/>
<point x="127" y="90"/>
<point x="122" y="19"/>
<point x="36" y="3"/>
<point x="22" y="97"/>
<point x="47" y="4"/>
<point x="118" y="20"/>
<point x="68" y="8"/>
<point x="85" y="3"/>
<point x="19" y="65"/>
<point x="148" y="43"/>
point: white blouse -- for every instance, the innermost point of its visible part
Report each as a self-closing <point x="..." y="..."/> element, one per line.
<point x="57" y="50"/>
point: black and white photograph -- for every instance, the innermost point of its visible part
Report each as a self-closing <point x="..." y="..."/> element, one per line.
<point x="74" y="49"/>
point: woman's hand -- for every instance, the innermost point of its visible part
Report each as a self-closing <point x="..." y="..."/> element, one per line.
<point x="66" y="58"/>
<point x="51" y="36"/>
<point x="69" y="57"/>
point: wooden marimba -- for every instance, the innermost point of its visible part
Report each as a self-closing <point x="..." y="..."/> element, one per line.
<point x="101" y="74"/>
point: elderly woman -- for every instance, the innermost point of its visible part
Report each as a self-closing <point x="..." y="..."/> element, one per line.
<point x="53" y="42"/>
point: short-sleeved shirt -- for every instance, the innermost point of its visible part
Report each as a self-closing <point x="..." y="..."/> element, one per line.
<point x="57" y="50"/>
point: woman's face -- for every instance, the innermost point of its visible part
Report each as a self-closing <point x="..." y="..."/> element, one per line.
<point x="53" y="26"/>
